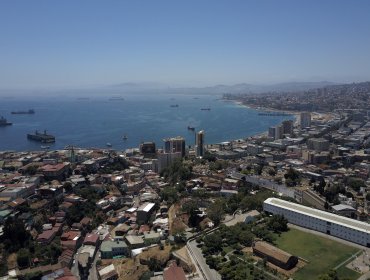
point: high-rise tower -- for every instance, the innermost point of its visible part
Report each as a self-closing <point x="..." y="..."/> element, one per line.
<point x="174" y="145"/>
<point x="199" y="144"/>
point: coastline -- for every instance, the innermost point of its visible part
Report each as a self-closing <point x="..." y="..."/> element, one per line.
<point x="296" y="114"/>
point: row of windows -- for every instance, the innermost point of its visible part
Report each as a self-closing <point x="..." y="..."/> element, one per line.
<point x="319" y="225"/>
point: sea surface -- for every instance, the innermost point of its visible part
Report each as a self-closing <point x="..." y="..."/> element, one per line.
<point x="96" y="121"/>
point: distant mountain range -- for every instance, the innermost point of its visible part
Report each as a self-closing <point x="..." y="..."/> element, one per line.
<point x="150" y="87"/>
<point x="220" y="89"/>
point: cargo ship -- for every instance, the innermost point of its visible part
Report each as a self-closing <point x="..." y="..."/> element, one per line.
<point x="41" y="137"/>
<point x="116" y="98"/>
<point x="29" y="112"/>
<point x="4" y="122"/>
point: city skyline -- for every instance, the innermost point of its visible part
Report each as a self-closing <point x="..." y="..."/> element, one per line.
<point x="72" y="44"/>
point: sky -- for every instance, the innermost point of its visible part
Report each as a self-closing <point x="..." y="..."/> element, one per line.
<point x="76" y="43"/>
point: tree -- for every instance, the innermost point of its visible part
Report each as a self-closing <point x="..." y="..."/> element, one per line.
<point x="31" y="169"/>
<point x="154" y="264"/>
<point x="68" y="186"/>
<point x="292" y="176"/>
<point x="212" y="243"/>
<point x="216" y="211"/>
<point x="246" y="238"/>
<point x="170" y="195"/>
<point x="23" y="258"/>
<point x="15" y="235"/>
<point x="271" y="172"/>
<point x="331" y="275"/>
<point x="356" y="184"/>
<point x="209" y="157"/>
<point x="177" y="171"/>
<point x="277" y="223"/>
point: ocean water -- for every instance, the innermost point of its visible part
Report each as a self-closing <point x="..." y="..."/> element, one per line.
<point x="97" y="121"/>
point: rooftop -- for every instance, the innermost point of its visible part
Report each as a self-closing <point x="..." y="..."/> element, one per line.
<point x="322" y="215"/>
<point x="146" y="207"/>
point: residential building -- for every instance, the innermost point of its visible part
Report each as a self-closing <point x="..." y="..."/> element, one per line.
<point x="144" y="212"/>
<point x="174" y="272"/>
<point x="110" y="249"/>
<point x="287" y="127"/>
<point x="108" y="273"/>
<point x="175" y="145"/>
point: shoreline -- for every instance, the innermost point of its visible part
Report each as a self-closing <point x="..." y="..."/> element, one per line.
<point x="296" y="114"/>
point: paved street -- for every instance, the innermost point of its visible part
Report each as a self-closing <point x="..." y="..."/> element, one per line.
<point x="93" y="274"/>
<point x="270" y="185"/>
<point x="74" y="268"/>
<point x="196" y="253"/>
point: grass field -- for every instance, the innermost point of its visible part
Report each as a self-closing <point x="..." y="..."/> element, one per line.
<point x="323" y="254"/>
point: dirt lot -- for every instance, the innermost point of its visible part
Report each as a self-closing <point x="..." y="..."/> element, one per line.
<point x="133" y="269"/>
<point x="155" y="253"/>
<point x="12" y="261"/>
<point x="177" y="221"/>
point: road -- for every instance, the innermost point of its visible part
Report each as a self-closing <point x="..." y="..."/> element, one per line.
<point x="93" y="274"/>
<point x="264" y="183"/>
<point x="74" y="268"/>
<point x="196" y="253"/>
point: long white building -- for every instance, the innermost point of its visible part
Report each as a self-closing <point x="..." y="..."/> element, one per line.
<point x="331" y="224"/>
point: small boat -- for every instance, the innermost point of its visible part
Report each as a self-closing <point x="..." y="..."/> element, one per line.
<point x="44" y="147"/>
<point x="192" y="128"/>
<point x="205" y="109"/>
<point x="109" y="144"/>
<point x="175" y="106"/>
<point x="125" y="137"/>
<point x="4" y="122"/>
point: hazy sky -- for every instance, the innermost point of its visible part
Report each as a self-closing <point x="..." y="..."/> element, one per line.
<point x="73" y="43"/>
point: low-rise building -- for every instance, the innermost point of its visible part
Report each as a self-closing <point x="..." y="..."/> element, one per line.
<point x="144" y="212"/>
<point x="329" y="223"/>
<point x="274" y="255"/>
<point x="108" y="273"/>
<point x="110" y="249"/>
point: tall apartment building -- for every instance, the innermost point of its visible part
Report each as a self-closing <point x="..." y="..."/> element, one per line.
<point x="276" y="132"/>
<point x="318" y="144"/>
<point x="199" y="144"/>
<point x="305" y="119"/>
<point x="174" y="145"/>
<point x="287" y="127"/>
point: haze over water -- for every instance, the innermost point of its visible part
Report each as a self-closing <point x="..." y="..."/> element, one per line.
<point x="97" y="121"/>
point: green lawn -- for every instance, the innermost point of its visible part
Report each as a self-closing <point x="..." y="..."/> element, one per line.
<point x="323" y="254"/>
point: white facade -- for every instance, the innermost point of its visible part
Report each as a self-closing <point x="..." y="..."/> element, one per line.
<point x="331" y="224"/>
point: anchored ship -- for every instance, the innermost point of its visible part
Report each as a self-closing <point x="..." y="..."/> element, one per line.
<point x="41" y="137"/>
<point x="116" y="98"/>
<point x="30" y="112"/>
<point x="4" y="122"/>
